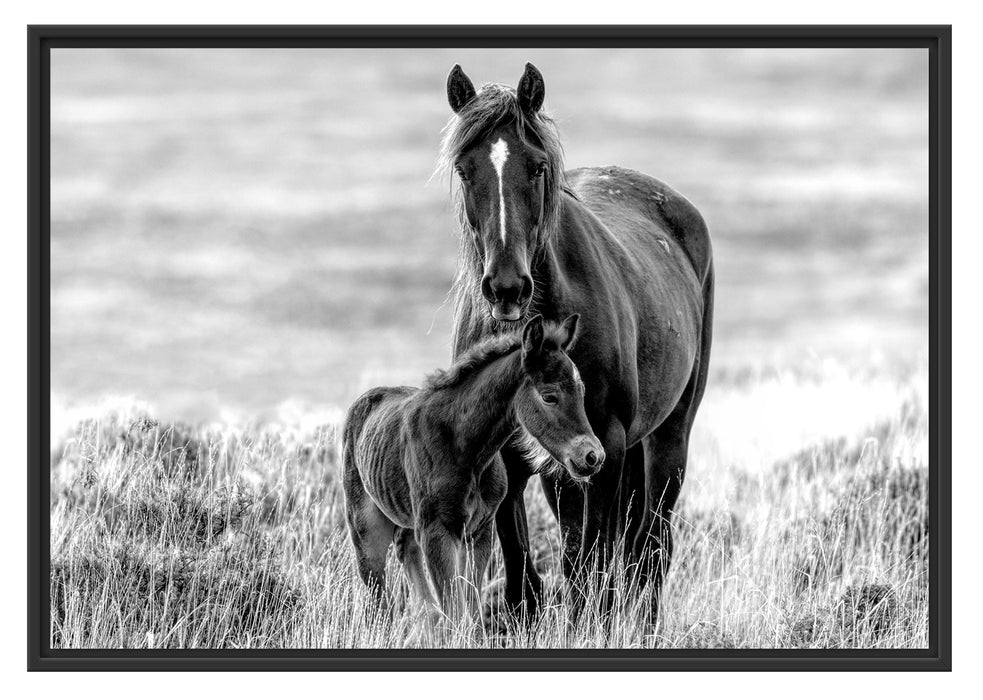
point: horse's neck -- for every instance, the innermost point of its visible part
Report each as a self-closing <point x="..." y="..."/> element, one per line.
<point x="575" y="238"/>
<point x="484" y="400"/>
<point x="546" y="268"/>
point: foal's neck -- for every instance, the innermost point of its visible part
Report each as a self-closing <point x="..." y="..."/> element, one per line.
<point x="482" y="407"/>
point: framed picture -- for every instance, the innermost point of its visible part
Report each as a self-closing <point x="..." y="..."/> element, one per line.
<point x="531" y="348"/>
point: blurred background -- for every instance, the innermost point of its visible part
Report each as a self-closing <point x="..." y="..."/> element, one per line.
<point x="249" y="232"/>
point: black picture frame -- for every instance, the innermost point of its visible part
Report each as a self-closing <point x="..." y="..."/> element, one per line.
<point x="937" y="39"/>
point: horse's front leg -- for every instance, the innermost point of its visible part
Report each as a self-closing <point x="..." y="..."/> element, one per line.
<point x="523" y="586"/>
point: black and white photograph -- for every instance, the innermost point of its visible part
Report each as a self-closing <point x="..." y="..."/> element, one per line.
<point x="489" y="348"/>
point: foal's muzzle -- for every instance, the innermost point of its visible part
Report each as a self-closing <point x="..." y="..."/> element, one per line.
<point x="586" y="457"/>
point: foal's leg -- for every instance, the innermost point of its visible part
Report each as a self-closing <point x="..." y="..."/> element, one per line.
<point x="442" y="550"/>
<point x="370" y="530"/>
<point x="484" y="539"/>
<point x="411" y="556"/>
<point x="372" y="533"/>
<point x="473" y="563"/>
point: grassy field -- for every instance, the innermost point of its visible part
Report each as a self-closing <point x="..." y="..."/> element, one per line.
<point x="168" y="536"/>
<point x="242" y="242"/>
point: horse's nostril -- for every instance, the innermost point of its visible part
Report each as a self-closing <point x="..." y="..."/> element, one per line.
<point x="591" y="458"/>
<point x="525" y="291"/>
<point x="486" y="289"/>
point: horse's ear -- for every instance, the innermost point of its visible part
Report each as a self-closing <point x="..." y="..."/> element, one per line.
<point x="532" y="336"/>
<point x="568" y="331"/>
<point x="460" y="89"/>
<point x="531" y="90"/>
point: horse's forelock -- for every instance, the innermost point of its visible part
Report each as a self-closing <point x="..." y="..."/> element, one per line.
<point x="495" y="105"/>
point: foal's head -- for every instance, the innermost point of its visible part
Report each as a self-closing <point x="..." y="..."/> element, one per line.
<point x="507" y="157"/>
<point x="550" y="404"/>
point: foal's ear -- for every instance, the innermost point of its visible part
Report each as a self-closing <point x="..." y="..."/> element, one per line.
<point x="568" y="331"/>
<point x="532" y="336"/>
<point x="531" y="90"/>
<point x="460" y="89"/>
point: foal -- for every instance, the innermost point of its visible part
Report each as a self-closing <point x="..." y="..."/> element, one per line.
<point x="421" y="468"/>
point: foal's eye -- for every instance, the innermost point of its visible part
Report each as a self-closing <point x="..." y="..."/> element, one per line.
<point x="549" y="399"/>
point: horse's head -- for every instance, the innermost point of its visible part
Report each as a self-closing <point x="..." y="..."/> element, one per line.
<point x="507" y="158"/>
<point x="550" y="405"/>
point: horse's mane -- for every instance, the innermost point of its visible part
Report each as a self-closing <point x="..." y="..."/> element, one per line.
<point x="485" y="352"/>
<point x="495" y="105"/>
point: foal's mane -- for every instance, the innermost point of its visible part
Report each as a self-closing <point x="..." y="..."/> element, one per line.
<point x="485" y="352"/>
<point x="493" y="106"/>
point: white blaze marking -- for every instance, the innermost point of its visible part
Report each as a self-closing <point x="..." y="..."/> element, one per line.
<point x="499" y="154"/>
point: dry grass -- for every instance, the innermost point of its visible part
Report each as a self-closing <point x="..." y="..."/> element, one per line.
<point x="170" y="536"/>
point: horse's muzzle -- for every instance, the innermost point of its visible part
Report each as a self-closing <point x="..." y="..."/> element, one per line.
<point x="506" y="311"/>
<point x="507" y="291"/>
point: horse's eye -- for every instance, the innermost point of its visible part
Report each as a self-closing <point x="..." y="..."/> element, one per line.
<point x="549" y="399"/>
<point x="540" y="170"/>
<point x="461" y="174"/>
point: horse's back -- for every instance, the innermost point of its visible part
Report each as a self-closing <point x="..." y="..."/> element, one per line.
<point x="612" y="192"/>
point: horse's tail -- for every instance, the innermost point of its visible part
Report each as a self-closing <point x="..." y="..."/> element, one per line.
<point x="706" y="337"/>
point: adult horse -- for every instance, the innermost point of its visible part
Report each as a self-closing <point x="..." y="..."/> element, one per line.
<point x="629" y="254"/>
